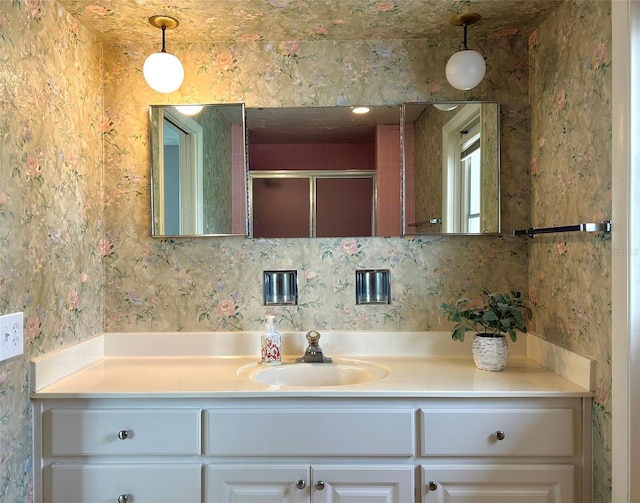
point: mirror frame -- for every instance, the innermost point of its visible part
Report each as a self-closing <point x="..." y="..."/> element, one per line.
<point x="496" y="170"/>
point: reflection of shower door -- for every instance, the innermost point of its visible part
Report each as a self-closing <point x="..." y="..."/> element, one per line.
<point x="280" y="207"/>
<point x="312" y="204"/>
<point x="344" y="207"/>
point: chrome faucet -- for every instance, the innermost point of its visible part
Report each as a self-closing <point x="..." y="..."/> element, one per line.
<point x="313" y="353"/>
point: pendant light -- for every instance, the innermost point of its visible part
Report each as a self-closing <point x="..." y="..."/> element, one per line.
<point x="163" y="71"/>
<point x="466" y="68"/>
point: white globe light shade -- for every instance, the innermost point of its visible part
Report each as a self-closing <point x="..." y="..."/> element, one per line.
<point x="163" y="72"/>
<point x="465" y="69"/>
<point x="445" y="107"/>
<point x="189" y="109"/>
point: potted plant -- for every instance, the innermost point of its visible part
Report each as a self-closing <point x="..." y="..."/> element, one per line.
<point x="491" y="317"/>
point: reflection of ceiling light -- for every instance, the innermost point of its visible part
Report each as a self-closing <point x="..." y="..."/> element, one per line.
<point x="163" y="71"/>
<point x="361" y="110"/>
<point x="445" y="107"/>
<point x="189" y="109"/>
<point x="466" y="68"/>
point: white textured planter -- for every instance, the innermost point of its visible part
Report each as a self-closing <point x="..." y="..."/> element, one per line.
<point x="490" y="353"/>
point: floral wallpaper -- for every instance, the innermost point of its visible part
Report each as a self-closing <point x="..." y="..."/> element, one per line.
<point x="490" y="208"/>
<point x="218" y="163"/>
<point x="75" y="248"/>
<point x="51" y="215"/>
<point x="427" y="167"/>
<point x="570" y="274"/>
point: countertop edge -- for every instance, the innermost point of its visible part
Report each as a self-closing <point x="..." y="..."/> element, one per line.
<point x="309" y="393"/>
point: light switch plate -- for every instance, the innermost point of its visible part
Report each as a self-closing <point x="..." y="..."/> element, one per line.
<point x="11" y="335"/>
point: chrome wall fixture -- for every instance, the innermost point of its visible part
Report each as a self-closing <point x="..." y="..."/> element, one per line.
<point x="373" y="286"/>
<point x="466" y="68"/>
<point x="280" y="288"/>
<point x="582" y="227"/>
<point x="163" y="71"/>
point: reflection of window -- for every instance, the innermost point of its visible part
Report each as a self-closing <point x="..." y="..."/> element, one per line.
<point x="462" y="171"/>
<point x="470" y="177"/>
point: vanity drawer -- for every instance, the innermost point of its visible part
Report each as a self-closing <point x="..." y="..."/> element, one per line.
<point x="103" y="483"/>
<point x="123" y="431"/>
<point x="313" y="432"/>
<point x="497" y="432"/>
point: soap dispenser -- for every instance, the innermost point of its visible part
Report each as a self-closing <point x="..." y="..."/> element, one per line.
<point x="271" y="344"/>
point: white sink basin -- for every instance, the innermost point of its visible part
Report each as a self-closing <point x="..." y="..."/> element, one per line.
<point x="320" y="374"/>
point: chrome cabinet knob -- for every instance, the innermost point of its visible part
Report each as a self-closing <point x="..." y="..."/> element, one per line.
<point x="301" y="484"/>
<point x="500" y="435"/>
<point x="432" y="485"/>
<point x="320" y="485"/>
<point x="123" y="434"/>
<point x="123" y="498"/>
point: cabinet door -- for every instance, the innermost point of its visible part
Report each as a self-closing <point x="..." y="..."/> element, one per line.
<point x="106" y="483"/>
<point x="257" y="484"/>
<point x="498" y="484"/>
<point x="361" y="484"/>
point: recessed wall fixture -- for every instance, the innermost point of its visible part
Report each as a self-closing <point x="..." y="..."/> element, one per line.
<point x="466" y="68"/>
<point x="361" y="110"/>
<point x="280" y="288"/>
<point x="372" y="286"/>
<point x="163" y="71"/>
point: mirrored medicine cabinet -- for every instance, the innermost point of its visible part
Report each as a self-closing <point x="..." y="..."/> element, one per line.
<point x="316" y="171"/>
<point x="198" y="170"/>
<point x="451" y="158"/>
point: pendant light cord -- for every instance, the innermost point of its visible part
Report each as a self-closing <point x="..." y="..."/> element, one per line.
<point x="164" y="28"/>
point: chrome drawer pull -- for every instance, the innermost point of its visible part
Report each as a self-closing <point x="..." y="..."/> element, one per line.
<point x="123" y="498"/>
<point x="320" y="485"/>
<point x="432" y="485"/>
<point x="301" y="484"/>
<point x="123" y="435"/>
<point x="500" y="435"/>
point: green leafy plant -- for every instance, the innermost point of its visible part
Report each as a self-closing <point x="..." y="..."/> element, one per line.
<point x="493" y="314"/>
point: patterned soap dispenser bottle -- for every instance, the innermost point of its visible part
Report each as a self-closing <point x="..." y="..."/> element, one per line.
<point x="271" y="344"/>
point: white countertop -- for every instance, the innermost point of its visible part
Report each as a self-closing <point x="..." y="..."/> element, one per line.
<point x="88" y="370"/>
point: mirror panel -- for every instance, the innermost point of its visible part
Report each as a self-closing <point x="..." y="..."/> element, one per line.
<point x="451" y="168"/>
<point x="343" y="167"/>
<point x="198" y="170"/>
<point x="324" y="172"/>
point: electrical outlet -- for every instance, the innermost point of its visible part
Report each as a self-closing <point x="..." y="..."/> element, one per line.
<point x="11" y="335"/>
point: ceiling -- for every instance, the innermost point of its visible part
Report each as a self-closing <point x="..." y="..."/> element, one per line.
<point x="317" y="124"/>
<point x="205" y="21"/>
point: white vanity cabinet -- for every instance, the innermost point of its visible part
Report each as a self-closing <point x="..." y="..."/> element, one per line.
<point x="123" y="482"/>
<point x="309" y="484"/>
<point x="248" y="483"/>
<point x="503" y="454"/>
<point x="316" y="433"/>
<point x="306" y="449"/>
<point x="525" y="483"/>
<point x="121" y="454"/>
